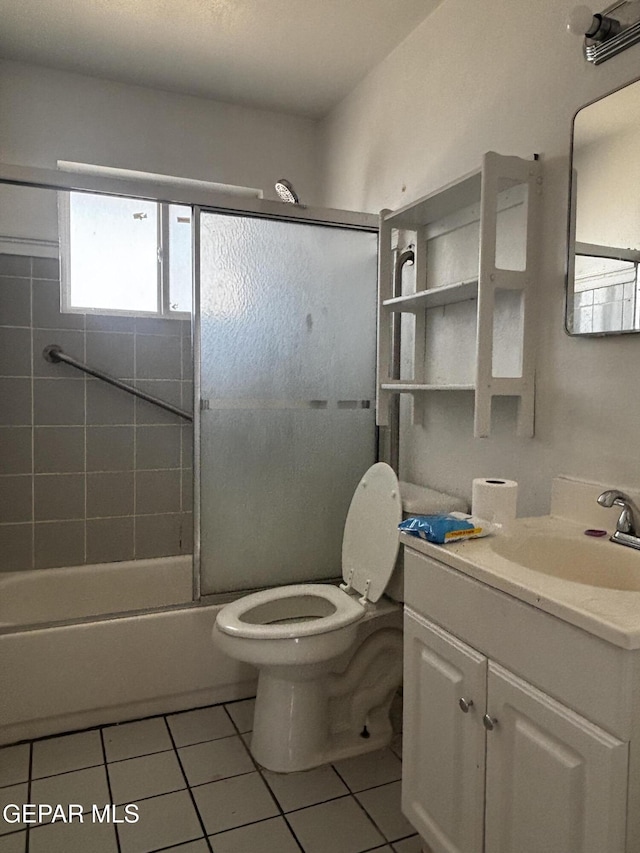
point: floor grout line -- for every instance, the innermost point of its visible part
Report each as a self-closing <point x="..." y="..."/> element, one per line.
<point x="186" y="780"/>
<point x="106" y="771"/>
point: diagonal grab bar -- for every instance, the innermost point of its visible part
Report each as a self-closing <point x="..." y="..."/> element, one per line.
<point x="54" y="354"/>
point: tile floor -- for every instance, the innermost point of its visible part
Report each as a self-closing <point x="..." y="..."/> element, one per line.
<point x="198" y="790"/>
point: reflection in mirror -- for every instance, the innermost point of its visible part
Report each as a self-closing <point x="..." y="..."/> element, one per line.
<point x="604" y="232"/>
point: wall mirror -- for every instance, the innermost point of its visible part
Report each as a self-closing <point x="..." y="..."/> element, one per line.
<point x="604" y="220"/>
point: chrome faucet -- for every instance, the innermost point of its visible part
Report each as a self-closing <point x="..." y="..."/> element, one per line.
<point x="626" y="532"/>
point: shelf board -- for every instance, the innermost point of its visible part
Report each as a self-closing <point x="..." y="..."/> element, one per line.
<point x="438" y="204"/>
<point x="461" y="291"/>
<point x="399" y="387"/>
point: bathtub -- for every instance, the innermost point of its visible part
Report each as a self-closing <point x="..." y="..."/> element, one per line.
<point x="76" y="592"/>
<point x="113" y="667"/>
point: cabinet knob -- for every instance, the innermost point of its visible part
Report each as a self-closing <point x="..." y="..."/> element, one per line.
<point x="489" y="722"/>
<point x="465" y="704"/>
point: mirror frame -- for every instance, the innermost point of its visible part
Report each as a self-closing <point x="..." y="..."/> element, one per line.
<point x="571" y="222"/>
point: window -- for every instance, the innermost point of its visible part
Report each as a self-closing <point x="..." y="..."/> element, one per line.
<point x="125" y="255"/>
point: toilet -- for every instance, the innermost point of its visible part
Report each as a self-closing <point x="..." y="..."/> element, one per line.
<point x="329" y="658"/>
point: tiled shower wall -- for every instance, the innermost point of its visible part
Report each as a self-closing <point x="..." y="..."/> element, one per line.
<point x="88" y="473"/>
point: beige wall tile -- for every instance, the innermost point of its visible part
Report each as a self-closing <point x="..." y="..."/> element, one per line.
<point x="59" y="543"/>
<point x="58" y="450"/>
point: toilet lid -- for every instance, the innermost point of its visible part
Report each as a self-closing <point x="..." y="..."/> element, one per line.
<point x="370" y="543"/>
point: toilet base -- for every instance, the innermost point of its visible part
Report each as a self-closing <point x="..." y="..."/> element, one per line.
<point x="291" y="731"/>
<point x="324" y="714"/>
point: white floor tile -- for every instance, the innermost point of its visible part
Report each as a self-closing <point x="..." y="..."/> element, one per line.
<point x="68" y="752"/>
<point x="137" y="778"/>
<point x="15" y="843"/>
<point x="215" y="759"/>
<point x="236" y="805"/>
<point x="297" y="790"/>
<point x="267" y="836"/>
<point x="197" y="726"/>
<point x="13" y="795"/>
<point x="234" y="802"/>
<point x="84" y="787"/>
<point x="14" y="764"/>
<point x="73" y="838"/>
<point x="373" y="768"/>
<point x="130" y="740"/>
<point x="339" y="826"/>
<point x="383" y="807"/>
<point x="242" y="714"/>
<point x="409" y="845"/>
<point x="164" y="821"/>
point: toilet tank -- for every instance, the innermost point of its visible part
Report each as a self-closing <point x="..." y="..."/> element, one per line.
<point x="419" y="500"/>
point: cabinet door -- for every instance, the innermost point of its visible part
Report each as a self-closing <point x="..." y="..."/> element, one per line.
<point x="444" y="748"/>
<point x="555" y="782"/>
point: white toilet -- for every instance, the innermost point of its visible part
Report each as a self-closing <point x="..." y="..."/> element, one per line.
<point x="329" y="658"/>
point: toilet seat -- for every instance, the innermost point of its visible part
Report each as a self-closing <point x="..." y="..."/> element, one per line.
<point x="369" y="549"/>
<point x="320" y="608"/>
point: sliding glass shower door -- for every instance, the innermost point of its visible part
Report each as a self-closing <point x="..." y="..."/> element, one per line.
<point x="287" y="374"/>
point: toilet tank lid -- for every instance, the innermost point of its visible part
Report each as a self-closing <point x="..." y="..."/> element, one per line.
<point x="421" y="500"/>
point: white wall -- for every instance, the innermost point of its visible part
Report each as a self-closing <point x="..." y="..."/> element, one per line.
<point x="499" y="75"/>
<point x="49" y="115"/>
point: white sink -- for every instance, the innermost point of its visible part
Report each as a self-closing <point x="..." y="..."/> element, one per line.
<point x="572" y="557"/>
<point x="549" y="563"/>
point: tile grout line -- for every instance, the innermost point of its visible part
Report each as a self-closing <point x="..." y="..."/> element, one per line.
<point x="106" y="773"/>
<point x="188" y="786"/>
<point x="371" y="819"/>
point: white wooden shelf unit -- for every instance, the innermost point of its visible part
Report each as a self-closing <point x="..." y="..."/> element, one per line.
<point x="501" y="185"/>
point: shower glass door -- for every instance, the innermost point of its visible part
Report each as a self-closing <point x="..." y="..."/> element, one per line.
<point x="287" y="381"/>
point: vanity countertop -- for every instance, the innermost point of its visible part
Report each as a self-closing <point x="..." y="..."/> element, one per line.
<point x="612" y="614"/>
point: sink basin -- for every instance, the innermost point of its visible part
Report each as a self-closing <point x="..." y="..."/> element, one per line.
<point x="572" y="557"/>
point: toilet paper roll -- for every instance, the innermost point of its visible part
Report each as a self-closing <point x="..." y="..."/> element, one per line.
<point x="494" y="499"/>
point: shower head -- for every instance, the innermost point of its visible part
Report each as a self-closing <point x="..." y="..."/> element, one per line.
<point x="286" y="191"/>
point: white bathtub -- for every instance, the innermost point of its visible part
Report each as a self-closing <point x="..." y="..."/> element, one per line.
<point x="112" y="668"/>
<point x="75" y="592"/>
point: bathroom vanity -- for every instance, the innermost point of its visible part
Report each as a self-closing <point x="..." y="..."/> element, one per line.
<point x="522" y="688"/>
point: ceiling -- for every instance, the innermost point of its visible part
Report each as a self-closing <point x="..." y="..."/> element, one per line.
<point x="295" y="56"/>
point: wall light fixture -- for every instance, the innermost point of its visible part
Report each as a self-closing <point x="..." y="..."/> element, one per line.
<point x="606" y="33"/>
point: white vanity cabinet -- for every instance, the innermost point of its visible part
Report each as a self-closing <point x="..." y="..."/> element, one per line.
<point x="492" y="763"/>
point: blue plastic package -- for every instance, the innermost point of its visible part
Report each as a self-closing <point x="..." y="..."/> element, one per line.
<point x="446" y="528"/>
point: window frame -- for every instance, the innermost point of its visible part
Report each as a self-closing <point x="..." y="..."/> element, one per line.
<point x="163" y="286"/>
